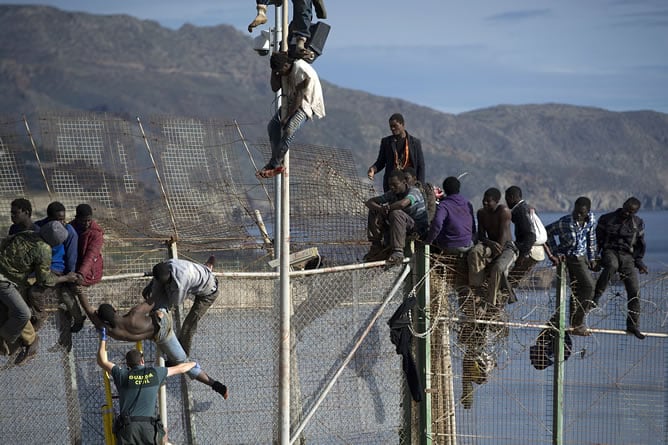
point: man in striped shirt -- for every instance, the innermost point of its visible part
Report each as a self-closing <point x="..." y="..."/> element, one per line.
<point x="577" y="248"/>
<point x="399" y="212"/>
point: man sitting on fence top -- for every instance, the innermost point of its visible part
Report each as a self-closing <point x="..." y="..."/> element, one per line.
<point x="173" y="280"/>
<point x="577" y="248"/>
<point x="90" y="264"/>
<point x="21" y="211"/>
<point x="495" y="250"/>
<point x="144" y="322"/>
<point x="63" y="261"/>
<point x="399" y="212"/>
<point x="21" y="255"/>
<point x="426" y="189"/>
<point x="451" y="231"/>
<point x="528" y="252"/>
<point x="621" y="238"/>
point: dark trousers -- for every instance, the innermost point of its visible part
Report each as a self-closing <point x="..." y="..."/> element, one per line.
<point x="613" y="261"/>
<point x="397" y="223"/>
<point x="582" y="287"/>
<point x="197" y="311"/>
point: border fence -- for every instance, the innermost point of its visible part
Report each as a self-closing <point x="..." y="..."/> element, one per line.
<point x="190" y="182"/>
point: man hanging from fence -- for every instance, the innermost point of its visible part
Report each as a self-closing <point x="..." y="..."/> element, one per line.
<point x="21" y="255"/>
<point x="175" y="279"/>
<point x="145" y="322"/>
<point x="138" y="388"/>
<point x="621" y="238"/>
<point x="303" y="94"/>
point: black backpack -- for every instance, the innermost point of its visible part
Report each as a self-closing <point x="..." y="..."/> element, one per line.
<point x="542" y="353"/>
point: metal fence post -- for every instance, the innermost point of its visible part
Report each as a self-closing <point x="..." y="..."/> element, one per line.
<point x="558" y="384"/>
<point x="424" y="344"/>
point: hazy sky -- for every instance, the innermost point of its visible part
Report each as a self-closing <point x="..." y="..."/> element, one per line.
<point x="457" y="56"/>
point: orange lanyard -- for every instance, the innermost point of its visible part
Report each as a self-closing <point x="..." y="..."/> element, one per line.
<point x="396" y="157"/>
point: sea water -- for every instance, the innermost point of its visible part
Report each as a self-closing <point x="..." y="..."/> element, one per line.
<point x="656" y="235"/>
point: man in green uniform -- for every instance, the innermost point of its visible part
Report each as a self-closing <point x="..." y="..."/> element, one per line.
<point x="137" y="387"/>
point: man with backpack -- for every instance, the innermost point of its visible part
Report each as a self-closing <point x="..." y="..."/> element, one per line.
<point x="577" y="248"/>
<point x="621" y="238"/>
<point x="22" y="255"/>
<point x="530" y="237"/>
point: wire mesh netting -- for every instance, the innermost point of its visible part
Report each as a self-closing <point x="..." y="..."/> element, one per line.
<point x="486" y="390"/>
<point x="237" y="343"/>
<point x="186" y="179"/>
<point x="191" y="181"/>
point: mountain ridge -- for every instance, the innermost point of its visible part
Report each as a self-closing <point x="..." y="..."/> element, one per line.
<point x="57" y="60"/>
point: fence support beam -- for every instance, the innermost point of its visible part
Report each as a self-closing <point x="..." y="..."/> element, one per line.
<point x="424" y="344"/>
<point x="558" y="385"/>
<point x="351" y="354"/>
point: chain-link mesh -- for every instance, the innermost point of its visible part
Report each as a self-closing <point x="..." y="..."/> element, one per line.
<point x="485" y="390"/>
<point x="237" y="343"/>
<point x="192" y="181"/>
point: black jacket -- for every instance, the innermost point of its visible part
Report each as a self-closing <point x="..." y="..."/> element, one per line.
<point x="401" y="337"/>
<point x="385" y="159"/>
<point x="627" y="236"/>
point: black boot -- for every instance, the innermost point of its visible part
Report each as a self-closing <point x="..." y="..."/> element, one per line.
<point x="635" y="331"/>
<point x="632" y="326"/>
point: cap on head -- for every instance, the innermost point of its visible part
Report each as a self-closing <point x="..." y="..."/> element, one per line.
<point x="134" y="358"/>
<point x="54" y="233"/>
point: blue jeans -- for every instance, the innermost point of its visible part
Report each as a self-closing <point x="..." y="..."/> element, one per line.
<point x="281" y="137"/>
<point x="18" y="312"/>
<point x="302" y="13"/>
<point x="169" y="344"/>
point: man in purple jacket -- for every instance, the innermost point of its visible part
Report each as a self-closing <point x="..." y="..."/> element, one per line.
<point x="451" y="231"/>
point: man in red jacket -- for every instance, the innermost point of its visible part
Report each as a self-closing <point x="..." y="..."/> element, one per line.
<point x="89" y="267"/>
<point x="91" y="239"/>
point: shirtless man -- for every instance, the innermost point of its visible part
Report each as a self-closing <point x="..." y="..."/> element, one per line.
<point x="142" y="322"/>
<point x="494" y="246"/>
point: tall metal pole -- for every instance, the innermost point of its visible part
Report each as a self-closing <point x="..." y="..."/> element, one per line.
<point x="424" y="344"/>
<point x="558" y="383"/>
<point x="284" y="359"/>
<point x="277" y="46"/>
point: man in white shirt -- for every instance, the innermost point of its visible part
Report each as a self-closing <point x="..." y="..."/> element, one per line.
<point x="304" y="95"/>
